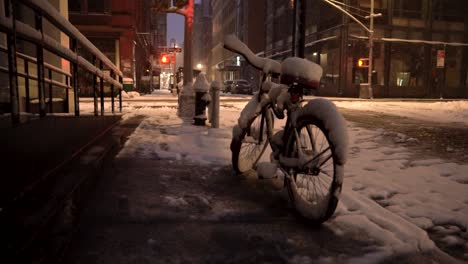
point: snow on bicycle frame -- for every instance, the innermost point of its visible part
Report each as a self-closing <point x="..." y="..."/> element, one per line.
<point x="292" y="69"/>
<point x="288" y="151"/>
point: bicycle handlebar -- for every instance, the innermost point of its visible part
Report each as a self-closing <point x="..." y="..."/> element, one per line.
<point x="232" y="43"/>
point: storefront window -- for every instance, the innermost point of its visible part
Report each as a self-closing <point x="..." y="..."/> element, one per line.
<point x="453" y="59"/>
<point x="329" y="60"/>
<point x="449" y="10"/>
<point x="406" y="67"/>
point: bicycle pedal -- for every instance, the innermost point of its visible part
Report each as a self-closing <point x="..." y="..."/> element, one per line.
<point x="266" y="170"/>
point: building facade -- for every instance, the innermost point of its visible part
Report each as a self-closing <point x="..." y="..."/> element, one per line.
<point x="245" y="19"/>
<point x="121" y="30"/>
<point x="420" y="47"/>
<point x="202" y="36"/>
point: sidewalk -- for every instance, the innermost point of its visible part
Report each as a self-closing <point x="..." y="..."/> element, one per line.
<point x="170" y="197"/>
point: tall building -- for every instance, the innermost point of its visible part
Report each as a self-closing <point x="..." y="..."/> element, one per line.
<point x="245" y="19"/>
<point x="202" y="36"/>
<point x="121" y="30"/>
<point x="420" y="50"/>
<point x="158" y="39"/>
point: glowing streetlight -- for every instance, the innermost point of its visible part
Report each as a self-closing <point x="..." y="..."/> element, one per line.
<point x="199" y="66"/>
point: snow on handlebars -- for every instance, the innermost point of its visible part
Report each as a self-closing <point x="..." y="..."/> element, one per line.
<point x="232" y="43"/>
<point x="292" y="69"/>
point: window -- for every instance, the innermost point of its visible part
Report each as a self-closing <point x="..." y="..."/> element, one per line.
<point x="410" y="9"/>
<point x="96" y="6"/>
<point x="453" y="64"/>
<point x="450" y="10"/>
<point x="89" y="6"/>
<point x="406" y="67"/>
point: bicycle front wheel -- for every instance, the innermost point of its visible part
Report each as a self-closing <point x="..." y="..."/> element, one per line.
<point x="247" y="149"/>
<point x="315" y="188"/>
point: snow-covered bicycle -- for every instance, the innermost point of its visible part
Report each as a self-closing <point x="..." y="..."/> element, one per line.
<point x="310" y="152"/>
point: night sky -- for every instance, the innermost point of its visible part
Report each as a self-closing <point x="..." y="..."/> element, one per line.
<point x="175" y="28"/>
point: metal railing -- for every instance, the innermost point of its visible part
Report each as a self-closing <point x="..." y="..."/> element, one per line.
<point x="17" y="30"/>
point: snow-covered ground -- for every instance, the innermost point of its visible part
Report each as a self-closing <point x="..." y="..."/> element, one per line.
<point x="442" y="111"/>
<point x="389" y="194"/>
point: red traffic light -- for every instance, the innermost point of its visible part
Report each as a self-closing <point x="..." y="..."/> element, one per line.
<point x="363" y="63"/>
<point x="165" y="59"/>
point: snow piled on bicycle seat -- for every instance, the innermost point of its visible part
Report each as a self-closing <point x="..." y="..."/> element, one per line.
<point x="301" y="68"/>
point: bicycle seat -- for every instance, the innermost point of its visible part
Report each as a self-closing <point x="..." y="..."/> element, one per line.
<point x="300" y="71"/>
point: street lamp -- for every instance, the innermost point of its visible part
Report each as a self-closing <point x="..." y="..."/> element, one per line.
<point x="370" y="30"/>
<point x="199" y="66"/>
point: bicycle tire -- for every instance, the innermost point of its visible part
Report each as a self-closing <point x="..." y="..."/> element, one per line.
<point x="319" y="204"/>
<point x="240" y="163"/>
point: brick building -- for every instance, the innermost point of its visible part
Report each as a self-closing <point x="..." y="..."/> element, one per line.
<point x="121" y="29"/>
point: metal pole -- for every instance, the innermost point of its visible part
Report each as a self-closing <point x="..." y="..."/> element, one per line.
<point x="120" y="94"/>
<point x="95" y="93"/>
<point x="214" y="117"/>
<point x="40" y="68"/>
<point x="298" y="40"/>
<point x="188" y="69"/>
<point x="12" y="69"/>
<point x="67" y="95"/>
<point x="51" y="110"/>
<point x="112" y="92"/>
<point x="371" y="48"/>
<point x="26" y="84"/>
<point x="294" y="29"/>
<point x="76" y="98"/>
<point x="101" y="88"/>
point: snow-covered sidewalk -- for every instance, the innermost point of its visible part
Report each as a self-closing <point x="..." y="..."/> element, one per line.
<point x="402" y="201"/>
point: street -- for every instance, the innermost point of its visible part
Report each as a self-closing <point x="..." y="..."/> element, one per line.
<point x="171" y="197"/>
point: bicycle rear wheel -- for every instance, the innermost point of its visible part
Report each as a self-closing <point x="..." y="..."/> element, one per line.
<point x="315" y="189"/>
<point x="247" y="149"/>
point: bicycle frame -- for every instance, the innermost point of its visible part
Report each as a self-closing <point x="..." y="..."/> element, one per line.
<point x="303" y="162"/>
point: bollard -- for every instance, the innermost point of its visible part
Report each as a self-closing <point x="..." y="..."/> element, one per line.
<point x="186" y="102"/>
<point x="214" y="105"/>
<point x="202" y="99"/>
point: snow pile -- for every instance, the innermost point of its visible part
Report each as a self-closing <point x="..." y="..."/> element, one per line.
<point x="388" y="195"/>
<point x="446" y="112"/>
<point x="131" y="94"/>
<point x="165" y="135"/>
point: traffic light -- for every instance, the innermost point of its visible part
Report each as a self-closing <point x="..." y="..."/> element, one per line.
<point x="165" y="59"/>
<point x="363" y="63"/>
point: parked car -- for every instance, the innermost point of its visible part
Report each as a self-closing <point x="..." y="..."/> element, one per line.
<point x="241" y="87"/>
<point x="227" y="86"/>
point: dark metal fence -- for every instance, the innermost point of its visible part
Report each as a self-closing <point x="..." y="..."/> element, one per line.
<point x="54" y="84"/>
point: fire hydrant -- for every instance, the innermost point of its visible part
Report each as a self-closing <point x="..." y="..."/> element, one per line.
<point x="202" y="99"/>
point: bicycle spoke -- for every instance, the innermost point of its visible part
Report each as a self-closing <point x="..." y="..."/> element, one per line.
<point x="314" y="188"/>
